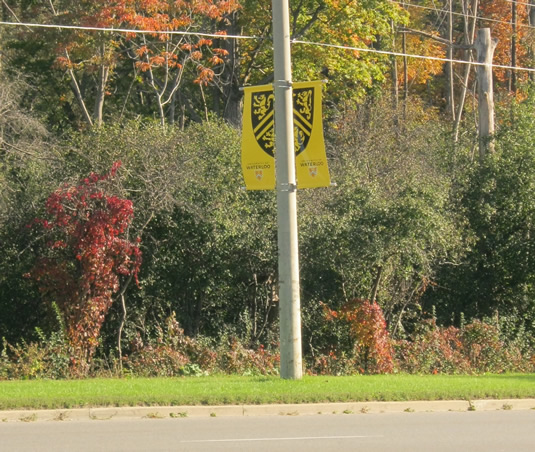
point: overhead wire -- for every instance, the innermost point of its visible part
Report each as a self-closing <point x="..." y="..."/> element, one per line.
<point x="127" y="30"/>
<point x="408" y="55"/>
<point x="520" y="3"/>
<point x="470" y="16"/>
<point x="295" y="41"/>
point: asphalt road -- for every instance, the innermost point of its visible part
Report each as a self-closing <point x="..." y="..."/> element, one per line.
<point x="489" y="431"/>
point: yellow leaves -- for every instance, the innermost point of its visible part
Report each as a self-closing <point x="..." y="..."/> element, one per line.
<point x="420" y="70"/>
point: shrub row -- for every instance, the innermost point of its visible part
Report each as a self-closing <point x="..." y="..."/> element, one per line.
<point x="474" y="348"/>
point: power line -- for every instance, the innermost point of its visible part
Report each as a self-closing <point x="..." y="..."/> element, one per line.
<point x="408" y="55"/>
<point x="519" y="3"/>
<point x="126" y="30"/>
<point x="466" y="15"/>
<point x="213" y="35"/>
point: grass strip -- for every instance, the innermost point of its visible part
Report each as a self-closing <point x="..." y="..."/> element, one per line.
<point x="226" y="390"/>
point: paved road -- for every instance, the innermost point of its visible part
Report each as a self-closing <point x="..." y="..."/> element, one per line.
<point x="489" y="431"/>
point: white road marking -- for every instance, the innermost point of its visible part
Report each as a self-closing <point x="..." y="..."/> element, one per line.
<point x="296" y="438"/>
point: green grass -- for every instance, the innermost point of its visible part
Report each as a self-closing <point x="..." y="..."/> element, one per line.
<point x="220" y="390"/>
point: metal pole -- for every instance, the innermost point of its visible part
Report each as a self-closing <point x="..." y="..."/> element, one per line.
<point x="291" y="366"/>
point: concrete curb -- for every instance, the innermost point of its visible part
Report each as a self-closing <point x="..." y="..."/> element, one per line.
<point x="122" y="413"/>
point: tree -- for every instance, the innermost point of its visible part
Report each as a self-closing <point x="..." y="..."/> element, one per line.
<point x="496" y="197"/>
<point x="509" y="24"/>
<point x="351" y="74"/>
<point x="372" y="345"/>
<point x="387" y="227"/>
<point x="26" y="162"/>
<point x="86" y="253"/>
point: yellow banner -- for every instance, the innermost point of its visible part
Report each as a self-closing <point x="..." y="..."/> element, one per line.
<point x="258" y="137"/>
<point x="310" y="159"/>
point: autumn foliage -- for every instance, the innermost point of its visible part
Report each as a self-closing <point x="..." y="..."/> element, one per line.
<point x="156" y="18"/>
<point x="86" y="253"/>
<point x="367" y="325"/>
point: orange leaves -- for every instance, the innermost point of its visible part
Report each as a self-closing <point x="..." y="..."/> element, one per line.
<point x="368" y="329"/>
<point x="64" y="63"/>
<point x="215" y="60"/>
<point x="142" y="51"/>
<point x="214" y="9"/>
<point x="206" y="75"/>
<point x="165" y="59"/>
<point x="204" y="42"/>
<point x="500" y="14"/>
<point x="196" y="55"/>
<point x="420" y="70"/>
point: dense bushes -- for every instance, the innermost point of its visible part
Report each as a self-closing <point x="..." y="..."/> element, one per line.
<point x="474" y="348"/>
<point x="477" y="347"/>
<point x="404" y="219"/>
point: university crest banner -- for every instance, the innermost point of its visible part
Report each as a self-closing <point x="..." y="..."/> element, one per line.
<point x="258" y="137"/>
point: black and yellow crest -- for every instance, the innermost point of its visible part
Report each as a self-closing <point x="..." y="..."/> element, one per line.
<point x="262" y="118"/>
<point x="303" y="104"/>
<point x="258" y="137"/>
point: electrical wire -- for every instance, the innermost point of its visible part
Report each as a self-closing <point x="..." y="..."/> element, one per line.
<point x="126" y="30"/>
<point x="436" y="10"/>
<point x="320" y="44"/>
<point x="408" y="55"/>
<point x="520" y="3"/>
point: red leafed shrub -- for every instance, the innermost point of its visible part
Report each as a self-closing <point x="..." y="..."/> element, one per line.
<point x="474" y="348"/>
<point x="433" y="350"/>
<point x="86" y="253"/>
<point x="373" y="347"/>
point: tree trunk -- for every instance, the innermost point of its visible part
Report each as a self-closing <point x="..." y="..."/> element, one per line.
<point x="531" y="19"/>
<point x="232" y="96"/>
<point x="101" y="88"/>
<point x="405" y="76"/>
<point x="76" y="89"/>
<point x="512" y="86"/>
<point x="395" y="84"/>
<point x="376" y="282"/>
<point x="449" y="66"/>
<point x="469" y="34"/>
<point x="485" y="46"/>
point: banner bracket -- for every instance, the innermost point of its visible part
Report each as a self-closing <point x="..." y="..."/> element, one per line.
<point x="288" y="187"/>
<point x="286" y="84"/>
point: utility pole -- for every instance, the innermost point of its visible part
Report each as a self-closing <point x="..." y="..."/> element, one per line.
<point x="485" y="47"/>
<point x="291" y="363"/>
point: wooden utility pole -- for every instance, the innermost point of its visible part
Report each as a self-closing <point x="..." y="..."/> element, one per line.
<point x="485" y="46"/>
<point x="291" y="363"/>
